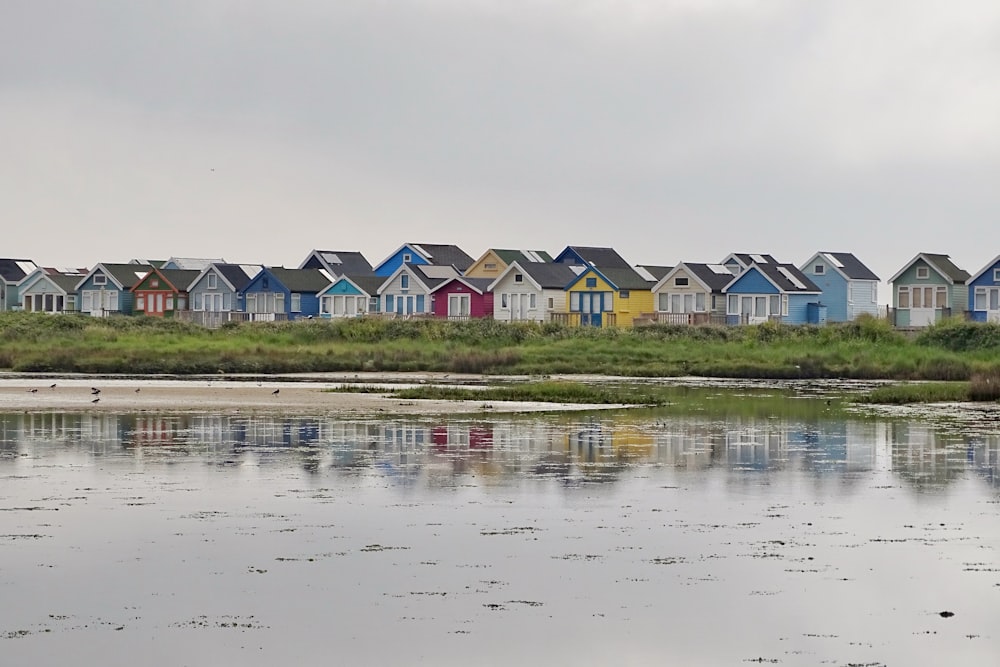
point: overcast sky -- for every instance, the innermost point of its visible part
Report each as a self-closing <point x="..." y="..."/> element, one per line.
<point x="671" y="130"/>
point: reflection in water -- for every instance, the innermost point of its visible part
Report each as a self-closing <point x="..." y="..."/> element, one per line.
<point x="594" y="449"/>
<point x="798" y="537"/>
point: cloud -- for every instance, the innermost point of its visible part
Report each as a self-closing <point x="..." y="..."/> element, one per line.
<point x="671" y="130"/>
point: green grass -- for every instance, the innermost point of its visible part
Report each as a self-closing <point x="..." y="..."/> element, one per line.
<point x="545" y="392"/>
<point x="866" y="349"/>
<point x="920" y="392"/>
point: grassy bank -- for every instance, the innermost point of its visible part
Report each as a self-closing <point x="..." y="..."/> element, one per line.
<point x="867" y="349"/>
<point x="981" y="387"/>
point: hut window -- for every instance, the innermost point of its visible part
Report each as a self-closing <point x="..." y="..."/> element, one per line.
<point x="491" y="266"/>
<point x="404" y="281"/>
<point x="996" y="275"/>
<point x="591" y="282"/>
<point x="213" y="281"/>
<point x="623" y="294"/>
<point x="518" y="278"/>
<point x="904" y="298"/>
<point x="100" y="279"/>
<point x="819" y="269"/>
<point x="680" y="282"/>
<point x="296" y="302"/>
<point x="923" y="273"/>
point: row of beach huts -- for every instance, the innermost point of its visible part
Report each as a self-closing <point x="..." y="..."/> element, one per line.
<point x="581" y="286"/>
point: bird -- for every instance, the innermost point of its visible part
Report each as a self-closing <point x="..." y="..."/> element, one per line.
<point x="275" y="392"/>
<point x="52" y="386"/>
<point x="137" y="389"/>
<point x="95" y="391"/>
<point x="96" y="399"/>
<point x="32" y="391"/>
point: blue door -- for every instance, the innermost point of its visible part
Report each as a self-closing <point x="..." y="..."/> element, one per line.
<point x="591" y="308"/>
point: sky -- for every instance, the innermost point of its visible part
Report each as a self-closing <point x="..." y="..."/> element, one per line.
<point x="671" y="130"/>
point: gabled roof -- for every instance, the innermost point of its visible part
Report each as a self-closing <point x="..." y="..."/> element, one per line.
<point x="64" y="281"/>
<point x="625" y="278"/>
<point x="509" y="256"/>
<point x="191" y="263"/>
<point x="993" y="262"/>
<point x="124" y="276"/>
<point x="785" y="277"/>
<point x="440" y="255"/>
<point x="607" y="257"/>
<point x="179" y="279"/>
<point x="478" y="285"/>
<point x="653" y="273"/>
<point x="234" y="275"/>
<point x="301" y="280"/>
<point x="844" y="263"/>
<point x="444" y="255"/>
<point x="366" y="283"/>
<point x="713" y="277"/>
<point x="940" y="263"/>
<point x="542" y="275"/>
<point x="148" y="262"/>
<point x="16" y="270"/>
<point x="428" y="275"/>
<point x="745" y="259"/>
<point x="340" y="262"/>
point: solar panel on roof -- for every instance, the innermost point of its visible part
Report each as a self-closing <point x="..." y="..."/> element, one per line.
<point x="833" y="260"/>
<point x="331" y="258"/>
<point x="433" y="271"/>
<point x="140" y="274"/>
<point x="422" y="251"/>
<point x="646" y="275"/>
<point x="721" y="269"/>
<point x="792" y="279"/>
<point x="532" y="255"/>
<point x="759" y="259"/>
<point x="326" y="274"/>
<point x="27" y="267"/>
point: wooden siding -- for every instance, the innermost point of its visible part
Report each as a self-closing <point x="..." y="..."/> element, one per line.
<point x="718" y="307"/>
<point x="752" y="282"/>
<point x="421" y="303"/>
<point x="862" y="299"/>
<point x="390" y="264"/>
<point x="542" y="312"/>
<point x="479" y="270"/>
<point x="200" y="295"/>
<point x="625" y="310"/>
<point x="480" y="305"/>
<point x="834" y="287"/>
<point x="984" y="280"/>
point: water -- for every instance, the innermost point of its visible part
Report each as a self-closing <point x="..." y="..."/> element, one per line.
<point x="795" y="536"/>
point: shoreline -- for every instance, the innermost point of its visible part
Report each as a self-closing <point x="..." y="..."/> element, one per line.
<point x="230" y="395"/>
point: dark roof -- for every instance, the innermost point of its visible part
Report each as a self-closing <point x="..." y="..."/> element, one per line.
<point x="715" y="280"/>
<point x="340" y="262"/>
<point x="607" y="257"/>
<point x="549" y="276"/>
<point x="367" y="282"/>
<point x="945" y="266"/>
<point x="748" y="258"/>
<point x="431" y="281"/>
<point x="778" y="277"/>
<point x="234" y="274"/>
<point x="624" y="278"/>
<point x="850" y="266"/>
<point x="12" y="271"/>
<point x="179" y="278"/>
<point x="444" y="255"/>
<point x="65" y="282"/>
<point x="300" y="280"/>
<point x="511" y="256"/>
<point x="656" y="271"/>
<point x="126" y="273"/>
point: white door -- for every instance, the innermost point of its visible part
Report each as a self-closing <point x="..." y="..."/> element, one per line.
<point x="922" y="307"/>
<point x="515" y="308"/>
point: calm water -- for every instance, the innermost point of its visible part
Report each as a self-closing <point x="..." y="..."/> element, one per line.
<point x="735" y="537"/>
